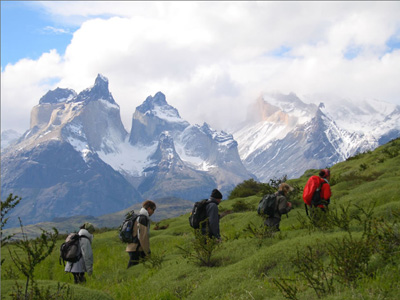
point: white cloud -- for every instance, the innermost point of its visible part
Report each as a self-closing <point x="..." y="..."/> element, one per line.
<point x="22" y="85"/>
<point x="211" y="59"/>
<point x="51" y="29"/>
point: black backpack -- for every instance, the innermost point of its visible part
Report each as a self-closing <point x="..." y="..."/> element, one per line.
<point x="70" y="250"/>
<point x="125" y="230"/>
<point x="198" y="214"/>
<point x="316" y="197"/>
<point x="267" y="205"/>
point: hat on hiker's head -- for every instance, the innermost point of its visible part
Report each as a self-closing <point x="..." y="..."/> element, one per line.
<point x="324" y="173"/>
<point x="89" y="227"/>
<point x="216" y="194"/>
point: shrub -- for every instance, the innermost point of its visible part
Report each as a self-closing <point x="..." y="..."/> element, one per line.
<point x="241" y="205"/>
<point x="34" y="252"/>
<point x="260" y="232"/>
<point x="154" y="261"/>
<point x="201" y="249"/>
<point x="6" y="206"/>
<point x="250" y="187"/>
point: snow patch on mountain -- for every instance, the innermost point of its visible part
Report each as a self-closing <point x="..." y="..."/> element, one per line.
<point x="108" y="104"/>
<point x="166" y="114"/>
<point x="128" y="159"/>
<point x="259" y="136"/>
<point x="365" y="116"/>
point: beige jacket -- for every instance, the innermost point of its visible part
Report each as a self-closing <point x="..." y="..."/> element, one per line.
<point x="141" y="230"/>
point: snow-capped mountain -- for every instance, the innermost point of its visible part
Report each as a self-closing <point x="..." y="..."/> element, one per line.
<point x="285" y="136"/>
<point x="77" y="157"/>
<point x="208" y="158"/>
<point x="55" y="168"/>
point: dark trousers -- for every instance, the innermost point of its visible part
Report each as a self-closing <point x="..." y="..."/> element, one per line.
<point x="79" y="277"/>
<point x="273" y="223"/>
<point x="134" y="258"/>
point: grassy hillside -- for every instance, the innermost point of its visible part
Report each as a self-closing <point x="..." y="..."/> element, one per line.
<point x="354" y="255"/>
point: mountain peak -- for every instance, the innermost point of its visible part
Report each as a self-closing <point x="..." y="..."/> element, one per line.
<point x="97" y="92"/>
<point x="150" y="103"/>
<point x="58" y="95"/>
<point x="101" y="81"/>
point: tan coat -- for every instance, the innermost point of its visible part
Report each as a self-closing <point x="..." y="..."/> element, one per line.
<point x="141" y="229"/>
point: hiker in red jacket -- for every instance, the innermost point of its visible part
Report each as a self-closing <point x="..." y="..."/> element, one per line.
<point x="317" y="193"/>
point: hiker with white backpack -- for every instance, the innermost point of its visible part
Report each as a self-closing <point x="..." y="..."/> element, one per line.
<point x="85" y="254"/>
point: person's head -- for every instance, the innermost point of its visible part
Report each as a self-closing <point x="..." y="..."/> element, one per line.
<point x="88" y="226"/>
<point x="285" y="188"/>
<point x="325" y="173"/>
<point x="150" y="206"/>
<point x="216" y="195"/>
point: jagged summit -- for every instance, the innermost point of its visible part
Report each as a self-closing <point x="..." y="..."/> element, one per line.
<point x="165" y="154"/>
<point x="99" y="91"/>
<point x="58" y="95"/>
<point x="152" y="117"/>
<point x="157" y="106"/>
<point x="151" y="102"/>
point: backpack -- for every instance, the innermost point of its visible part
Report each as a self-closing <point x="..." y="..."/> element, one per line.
<point x="267" y="205"/>
<point x="125" y="230"/>
<point x="70" y="250"/>
<point x="312" y="191"/>
<point x="198" y="214"/>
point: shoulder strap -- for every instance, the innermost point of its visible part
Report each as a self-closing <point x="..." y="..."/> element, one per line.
<point x="84" y="236"/>
<point x="140" y="220"/>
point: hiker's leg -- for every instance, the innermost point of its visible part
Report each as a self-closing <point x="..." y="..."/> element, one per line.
<point x="76" y="277"/>
<point x="142" y="255"/>
<point x="273" y="223"/>
<point x="82" y="278"/>
<point x="133" y="258"/>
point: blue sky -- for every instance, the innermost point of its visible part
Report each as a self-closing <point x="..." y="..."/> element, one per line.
<point x="27" y="32"/>
<point x="209" y="58"/>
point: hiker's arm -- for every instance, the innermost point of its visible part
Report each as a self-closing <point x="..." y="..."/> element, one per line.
<point x="214" y="221"/>
<point x="283" y="206"/>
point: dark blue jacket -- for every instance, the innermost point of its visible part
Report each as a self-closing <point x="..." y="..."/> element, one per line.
<point x="213" y="219"/>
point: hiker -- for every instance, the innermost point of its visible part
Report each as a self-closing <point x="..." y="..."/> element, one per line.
<point x="141" y="229"/>
<point x="211" y="227"/>
<point x="282" y="206"/>
<point x="85" y="263"/>
<point x="317" y="191"/>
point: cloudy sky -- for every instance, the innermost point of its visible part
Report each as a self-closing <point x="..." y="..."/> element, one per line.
<point x="210" y="59"/>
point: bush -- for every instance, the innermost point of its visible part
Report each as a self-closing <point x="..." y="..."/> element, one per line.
<point x="201" y="250"/>
<point x="241" y="205"/>
<point x="251" y="187"/>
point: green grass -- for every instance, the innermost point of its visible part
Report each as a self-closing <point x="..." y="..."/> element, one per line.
<point x="247" y="264"/>
<point x="78" y="292"/>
